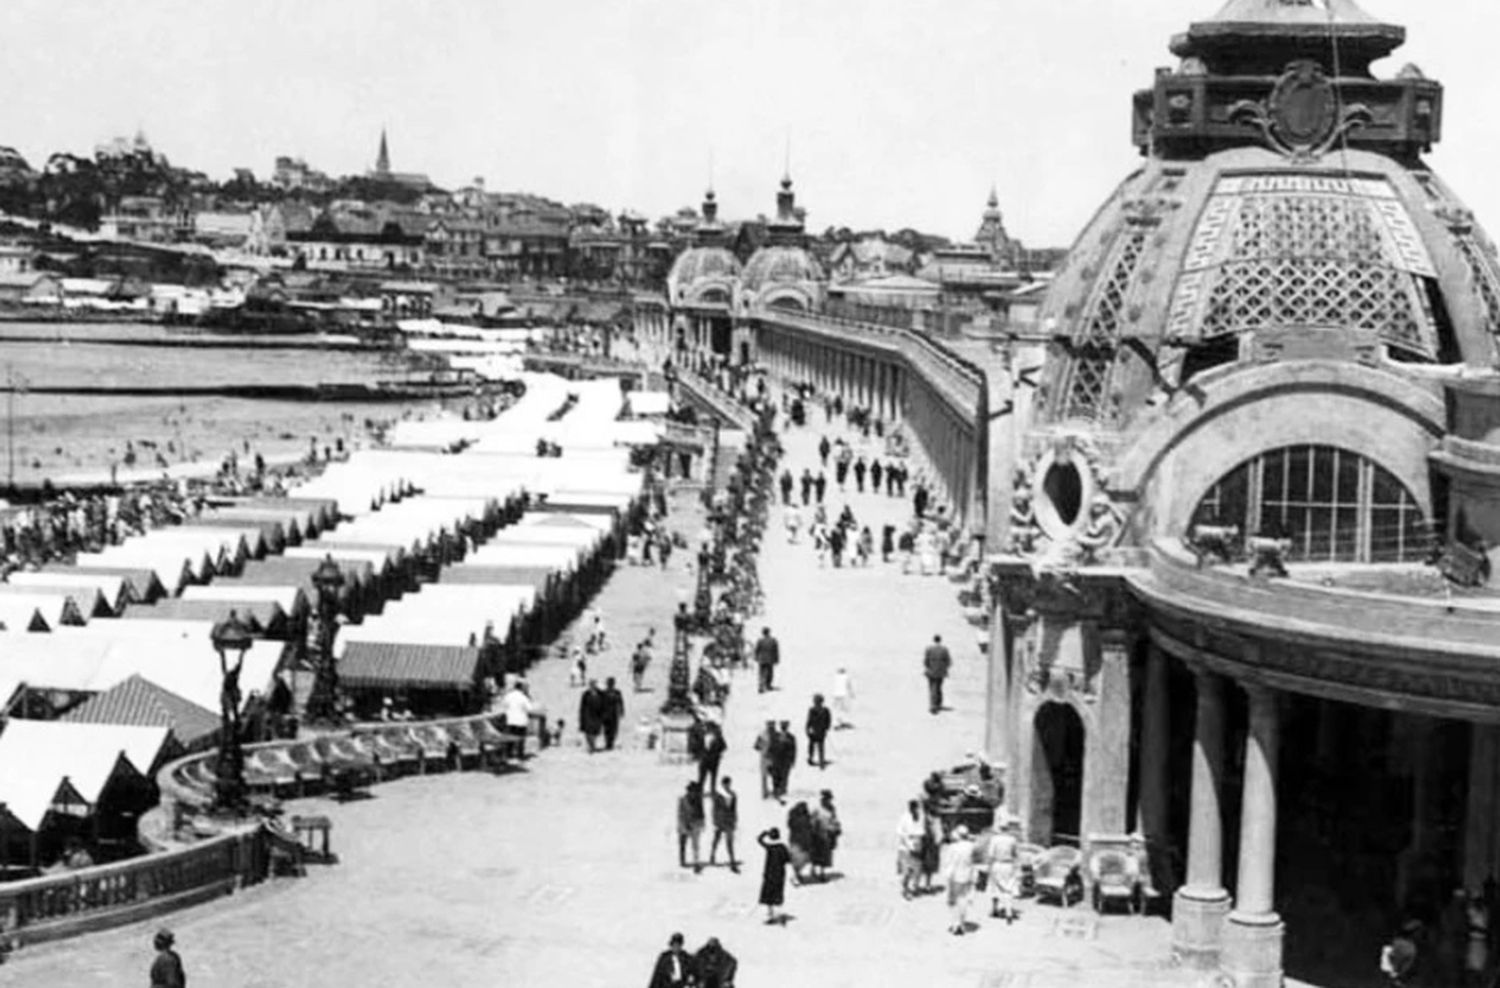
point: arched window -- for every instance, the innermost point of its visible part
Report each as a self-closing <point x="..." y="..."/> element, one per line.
<point x="1332" y="504"/>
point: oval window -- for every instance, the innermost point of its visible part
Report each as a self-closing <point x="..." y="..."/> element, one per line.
<point x="1063" y="486"/>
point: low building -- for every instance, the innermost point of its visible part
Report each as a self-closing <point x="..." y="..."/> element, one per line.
<point x="30" y="288"/>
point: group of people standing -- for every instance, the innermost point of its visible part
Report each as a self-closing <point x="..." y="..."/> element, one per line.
<point x="600" y="712"/>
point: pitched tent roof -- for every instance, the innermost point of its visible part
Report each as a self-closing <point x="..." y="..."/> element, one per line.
<point x="289" y="597"/>
<point x="391" y="665"/>
<point x="138" y="702"/>
<point x="536" y="577"/>
<point x="263" y="617"/>
<point x="20" y="615"/>
<point x="114" y="590"/>
<point x="56" y="608"/>
<point x="88" y="600"/>
<point x="142" y="582"/>
<point x="39" y="760"/>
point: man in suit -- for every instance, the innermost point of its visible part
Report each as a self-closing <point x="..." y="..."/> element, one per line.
<point x="783" y="757"/>
<point x="767" y="656"/>
<point x="936" y="662"/>
<point x="819" y="723"/>
<point x="726" y="817"/>
<point x="690" y="826"/>
<point x="765" y="743"/>
<point x="614" y="712"/>
<point x="591" y="714"/>
<point x="674" y="967"/>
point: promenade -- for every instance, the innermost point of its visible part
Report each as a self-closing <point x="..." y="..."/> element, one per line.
<point x="566" y="873"/>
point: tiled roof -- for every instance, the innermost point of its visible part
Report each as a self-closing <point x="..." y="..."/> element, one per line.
<point x="393" y="665"/>
<point x="139" y="702"/>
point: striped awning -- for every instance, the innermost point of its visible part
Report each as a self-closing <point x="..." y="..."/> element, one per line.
<point x="398" y="666"/>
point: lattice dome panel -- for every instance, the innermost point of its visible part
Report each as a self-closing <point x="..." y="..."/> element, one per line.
<point x="1486" y="282"/>
<point x="1093" y="355"/>
<point x="1292" y="251"/>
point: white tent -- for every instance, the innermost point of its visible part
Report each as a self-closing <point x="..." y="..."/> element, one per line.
<point x="41" y="761"/>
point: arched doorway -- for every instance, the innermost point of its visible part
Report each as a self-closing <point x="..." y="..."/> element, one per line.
<point x="1056" y="774"/>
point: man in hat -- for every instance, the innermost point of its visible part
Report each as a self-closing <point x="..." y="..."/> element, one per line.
<point x="726" y="817"/>
<point x="674" y="968"/>
<point x="819" y="723"/>
<point x="591" y="714"/>
<point x="935" y="664"/>
<point x="767" y="655"/>
<point x="783" y="758"/>
<point x="765" y="743"/>
<point x="716" y="966"/>
<point x="166" y="970"/>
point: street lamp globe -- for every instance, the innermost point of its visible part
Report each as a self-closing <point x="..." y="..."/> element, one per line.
<point x="230" y="637"/>
<point x="328" y="577"/>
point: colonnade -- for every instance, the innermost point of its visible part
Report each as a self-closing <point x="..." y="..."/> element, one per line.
<point x="1244" y="938"/>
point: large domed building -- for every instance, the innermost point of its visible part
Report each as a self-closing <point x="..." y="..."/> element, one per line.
<point x="1268" y="397"/>
<point x="701" y="288"/>
<point x="783" y="274"/>
<point x="707" y="272"/>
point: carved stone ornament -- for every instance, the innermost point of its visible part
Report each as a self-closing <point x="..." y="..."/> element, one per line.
<point x="1302" y="118"/>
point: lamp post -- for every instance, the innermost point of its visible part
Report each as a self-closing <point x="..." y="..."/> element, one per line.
<point x="328" y="578"/>
<point x="230" y="637"/>
<point x="679" y="677"/>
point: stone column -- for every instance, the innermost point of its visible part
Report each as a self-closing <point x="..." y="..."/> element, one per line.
<point x="1154" y="774"/>
<point x="1482" y="806"/>
<point x="1106" y="749"/>
<point x="1199" y="907"/>
<point x="997" y="684"/>
<point x="1253" y="935"/>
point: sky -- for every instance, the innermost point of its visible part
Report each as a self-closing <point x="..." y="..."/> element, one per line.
<point x="891" y="113"/>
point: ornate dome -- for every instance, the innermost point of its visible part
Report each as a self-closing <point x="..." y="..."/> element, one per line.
<point x="1284" y="271"/>
<point x="782" y="274"/>
<point x="705" y="275"/>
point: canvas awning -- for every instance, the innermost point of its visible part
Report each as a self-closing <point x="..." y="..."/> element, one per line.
<point x="404" y="666"/>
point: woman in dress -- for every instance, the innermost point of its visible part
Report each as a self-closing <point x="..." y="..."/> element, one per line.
<point x="826" y="831"/>
<point x="799" y="838"/>
<point x="773" y="878"/>
<point x="960" y="874"/>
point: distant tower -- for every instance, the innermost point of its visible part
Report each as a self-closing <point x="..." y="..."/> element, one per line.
<point x="992" y="235"/>
<point x="383" y="159"/>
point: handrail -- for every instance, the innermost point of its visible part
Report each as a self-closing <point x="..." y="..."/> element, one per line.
<point x="55" y="906"/>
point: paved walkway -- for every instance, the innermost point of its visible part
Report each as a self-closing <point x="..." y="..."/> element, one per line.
<point x="566" y="873"/>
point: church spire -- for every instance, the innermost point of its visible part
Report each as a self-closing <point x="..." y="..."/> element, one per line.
<point x="383" y="158"/>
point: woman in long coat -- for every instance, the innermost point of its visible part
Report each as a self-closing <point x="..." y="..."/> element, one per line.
<point x="799" y="838"/>
<point x="826" y="830"/>
<point x="773" y="878"/>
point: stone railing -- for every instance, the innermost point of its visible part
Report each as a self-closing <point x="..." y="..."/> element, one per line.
<point x="179" y="874"/>
<point x="56" y="906"/>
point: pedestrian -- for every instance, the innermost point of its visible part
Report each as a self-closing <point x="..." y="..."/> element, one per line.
<point x="887" y="542"/>
<point x="910" y="832"/>
<point x="876" y="475"/>
<point x="820" y="485"/>
<point x="843" y="699"/>
<point x="716" y="966"/>
<point x="664" y="547"/>
<point x="823" y="449"/>
<point x="908" y="545"/>
<point x="1398" y="959"/>
<point x="932" y="847"/>
<point x="1004" y="870"/>
<point x="1477" y="947"/>
<point x="674" y="968"/>
<point x="515" y="710"/>
<point x="826" y="832"/>
<point x="807" y="486"/>
<point x="784" y="757"/>
<point x="936" y="662"/>
<point x="799" y="839"/>
<point x="865" y="547"/>
<point x="773" y="877"/>
<point x="578" y="668"/>
<point x="919" y="500"/>
<point x="726" y="818"/>
<point x="836" y="545"/>
<point x="591" y="714"/>
<point x="859" y="475"/>
<point x="819" y="722"/>
<point x="639" y="662"/>
<point x="767" y="656"/>
<point x="959" y="873"/>
<point x="690" y="826"/>
<point x="710" y="755"/>
<point x="793" y="524"/>
<point x="166" y="969"/>
<point x="787" y="482"/>
<point x="614" y="712"/>
<point x="765" y="743"/>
